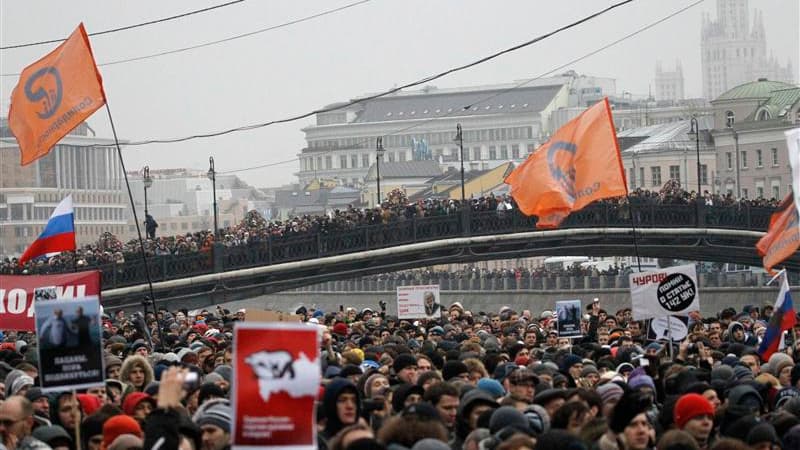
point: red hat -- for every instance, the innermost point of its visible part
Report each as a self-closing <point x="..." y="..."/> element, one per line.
<point x="340" y="329"/>
<point x="690" y="406"/>
<point x="119" y="425"/>
<point x="89" y="403"/>
<point x="132" y="400"/>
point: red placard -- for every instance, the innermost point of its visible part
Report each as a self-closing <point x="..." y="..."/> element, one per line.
<point x="276" y="380"/>
<point x="18" y="293"/>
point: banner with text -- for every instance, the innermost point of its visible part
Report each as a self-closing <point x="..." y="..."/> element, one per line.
<point x="665" y="292"/>
<point x="70" y="351"/>
<point x="19" y="292"/>
<point x="276" y="381"/>
<point x="569" y="318"/>
<point x="418" y="302"/>
<point x="671" y="327"/>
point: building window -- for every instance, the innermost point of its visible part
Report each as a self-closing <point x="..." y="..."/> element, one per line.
<point x="365" y="160"/>
<point x="774" y="156"/>
<point x="743" y="161"/>
<point x="343" y="162"/>
<point x="675" y="173"/>
<point x="476" y="153"/>
<point x="703" y="174"/>
<point x="759" y="191"/>
<point x="402" y="155"/>
<point x="319" y="162"/>
<point x="641" y="176"/>
<point x="503" y="151"/>
<point x="515" y="151"/>
<point x="353" y="161"/>
<point x="492" y="153"/>
<point x="730" y="119"/>
<point x="328" y="162"/>
<point x="776" y="191"/>
<point x="655" y="173"/>
<point x="759" y="158"/>
<point x="744" y="193"/>
<point x="632" y="177"/>
<point x="729" y="160"/>
<point x="391" y="156"/>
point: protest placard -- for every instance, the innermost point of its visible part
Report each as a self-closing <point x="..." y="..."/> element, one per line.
<point x="568" y="313"/>
<point x="18" y="293"/>
<point x="672" y="327"/>
<point x="419" y="302"/>
<point x="276" y="381"/>
<point x="665" y="292"/>
<point x="69" y="344"/>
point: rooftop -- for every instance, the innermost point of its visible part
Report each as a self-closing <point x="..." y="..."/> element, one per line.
<point x="760" y="89"/>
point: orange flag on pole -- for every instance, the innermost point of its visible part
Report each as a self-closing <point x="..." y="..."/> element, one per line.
<point x="54" y="95"/>
<point x="783" y="236"/>
<point x="580" y="164"/>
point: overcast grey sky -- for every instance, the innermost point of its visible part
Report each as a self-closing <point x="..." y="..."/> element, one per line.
<point x="367" y="48"/>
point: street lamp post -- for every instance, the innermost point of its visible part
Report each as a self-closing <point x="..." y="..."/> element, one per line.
<point x="696" y="130"/>
<point x="460" y="139"/>
<point x="147" y="180"/>
<point x="378" y="156"/>
<point x="212" y="175"/>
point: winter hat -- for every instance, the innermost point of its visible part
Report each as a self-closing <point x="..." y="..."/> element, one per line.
<point x="209" y="390"/>
<point x="505" y="416"/>
<point x="690" y="406"/>
<point x="53" y="435"/>
<point x="118" y="425"/>
<point x="747" y="396"/>
<point x="492" y="386"/>
<point x="20" y="383"/>
<point x="452" y="369"/>
<point x="569" y="361"/>
<point x="782" y="364"/>
<point x="538" y="420"/>
<point x="559" y="440"/>
<point x="785" y="395"/>
<point x="610" y="392"/>
<point x="340" y="329"/>
<point x="641" y="381"/>
<point x="776" y="360"/>
<point x="763" y="432"/>
<point x="722" y="372"/>
<point x="226" y="372"/>
<point x="430" y="444"/>
<point x="89" y="403"/>
<point x="125" y="442"/>
<point x="183" y="352"/>
<point x="112" y="361"/>
<point x="587" y="369"/>
<point x="402" y="361"/>
<point x="133" y="399"/>
<point x="630" y="405"/>
<point x="742" y="373"/>
<point x="217" y="413"/>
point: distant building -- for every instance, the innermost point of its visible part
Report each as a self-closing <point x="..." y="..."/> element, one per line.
<point x="734" y="53"/>
<point x="657" y="153"/>
<point x="313" y="200"/>
<point x="181" y="200"/>
<point x="29" y="194"/>
<point x="750" y="121"/>
<point x="500" y="123"/>
<point x="669" y="84"/>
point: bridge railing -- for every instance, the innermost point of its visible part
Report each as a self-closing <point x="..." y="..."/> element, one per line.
<point x="281" y="249"/>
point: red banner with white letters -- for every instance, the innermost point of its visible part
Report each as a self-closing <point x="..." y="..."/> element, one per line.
<point x="19" y="292"/>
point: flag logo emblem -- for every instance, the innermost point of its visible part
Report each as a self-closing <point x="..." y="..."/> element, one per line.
<point x="45" y="86"/>
<point x="560" y="157"/>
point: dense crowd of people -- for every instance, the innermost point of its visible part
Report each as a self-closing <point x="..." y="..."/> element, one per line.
<point x="500" y="379"/>
<point x="254" y="229"/>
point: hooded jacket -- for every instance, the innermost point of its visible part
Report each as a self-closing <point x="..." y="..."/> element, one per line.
<point x="127" y="367"/>
<point x="332" y="392"/>
<point x="748" y="340"/>
<point x="468" y="401"/>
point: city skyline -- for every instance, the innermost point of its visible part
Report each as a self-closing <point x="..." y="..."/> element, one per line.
<point x="312" y="64"/>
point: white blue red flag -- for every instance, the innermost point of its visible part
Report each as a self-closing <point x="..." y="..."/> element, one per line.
<point x="58" y="235"/>
<point x="783" y="319"/>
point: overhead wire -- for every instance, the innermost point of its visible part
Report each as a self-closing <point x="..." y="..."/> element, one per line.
<point x="493" y="95"/>
<point x="227" y="39"/>
<point x="128" y="27"/>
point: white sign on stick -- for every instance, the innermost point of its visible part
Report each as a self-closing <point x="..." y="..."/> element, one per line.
<point x="666" y="292"/>
<point x="418" y="302"/>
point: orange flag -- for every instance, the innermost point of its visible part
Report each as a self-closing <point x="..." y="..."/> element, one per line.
<point x="54" y="95"/>
<point x="783" y="236"/>
<point x="580" y="164"/>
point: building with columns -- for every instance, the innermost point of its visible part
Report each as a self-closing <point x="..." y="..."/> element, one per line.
<point x="80" y="164"/>
<point x="669" y="84"/>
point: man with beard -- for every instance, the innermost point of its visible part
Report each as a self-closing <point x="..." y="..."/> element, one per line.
<point x="432" y="309"/>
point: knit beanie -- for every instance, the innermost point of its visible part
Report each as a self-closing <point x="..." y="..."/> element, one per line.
<point x="452" y="369"/>
<point x="118" y="425"/>
<point x="690" y="406"/>
<point x="587" y="369"/>
<point x="763" y="432"/>
<point x="722" y="372"/>
<point x="217" y="413"/>
<point x="89" y="403"/>
<point x="569" y="361"/>
<point x="132" y="400"/>
<point x="226" y="372"/>
<point x="782" y="364"/>
<point x="492" y="386"/>
<point x="641" y="381"/>
<point x="402" y="361"/>
<point x="505" y="416"/>
<point x="610" y="392"/>
<point x="777" y="359"/>
<point x="630" y="405"/>
<point x="558" y="440"/>
<point x="125" y="442"/>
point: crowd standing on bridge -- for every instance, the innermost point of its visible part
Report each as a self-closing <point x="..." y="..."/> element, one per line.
<point x="254" y="229"/>
<point x="500" y="379"/>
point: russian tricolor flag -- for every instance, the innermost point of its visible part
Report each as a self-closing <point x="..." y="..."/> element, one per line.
<point x="58" y="236"/>
<point x="783" y="318"/>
